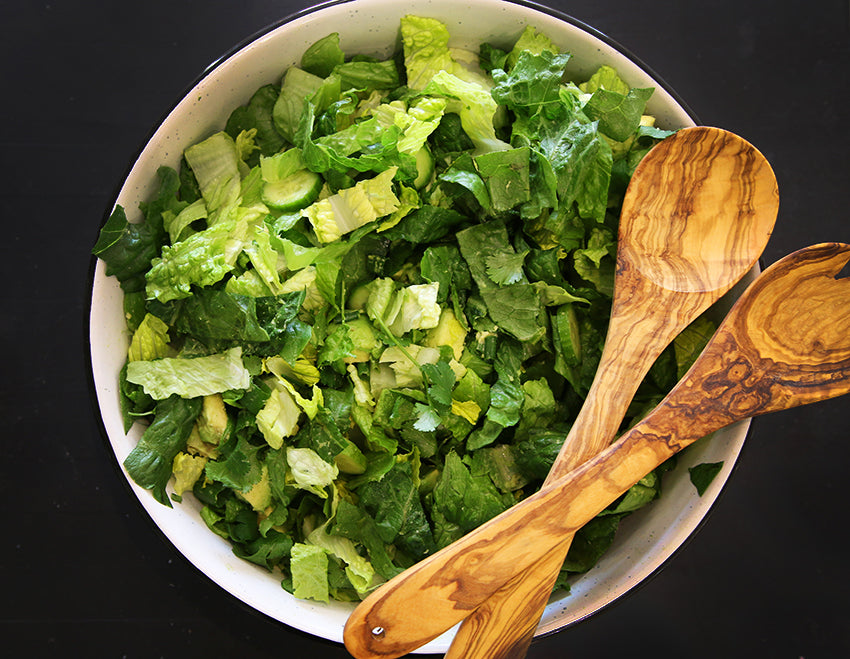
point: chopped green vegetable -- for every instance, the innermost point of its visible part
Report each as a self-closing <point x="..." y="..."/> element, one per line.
<point x="702" y="475"/>
<point x="364" y="315"/>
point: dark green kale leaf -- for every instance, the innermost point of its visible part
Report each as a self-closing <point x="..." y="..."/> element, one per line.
<point x="702" y="475"/>
<point x="394" y="503"/>
<point x="128" y="249"/>
<point x="266" y="551"/>
<point x="463" y="501"/>
<point x="149" y="463"/>
<point x="353" y="522"/>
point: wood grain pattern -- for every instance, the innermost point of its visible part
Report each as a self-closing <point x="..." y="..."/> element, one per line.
<point x="744" y="371"/>
<point x="696" y="216"/>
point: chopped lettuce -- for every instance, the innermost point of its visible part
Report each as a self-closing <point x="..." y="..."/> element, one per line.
<point x="309" y="565"/>
<point x="279" y="417"/>
<point x="150" y="340"/>
<point x="352" y="207"/>
<point x="475" y="106"/>
<point x="426" y="50"/>
<point x="215" y="164"/>
<point x="309" y="471"/>
<point x="360" y="572"/>
<point x="363" y="316"/>
<point x="151" y="461"/>
<point x="190" y="377"/>
<point x="203" y="259"/>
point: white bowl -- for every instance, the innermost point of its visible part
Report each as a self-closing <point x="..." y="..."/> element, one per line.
<point x="646" y="539"/>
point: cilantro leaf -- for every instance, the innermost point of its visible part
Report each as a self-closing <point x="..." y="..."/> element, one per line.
<point x="506" y="268"/>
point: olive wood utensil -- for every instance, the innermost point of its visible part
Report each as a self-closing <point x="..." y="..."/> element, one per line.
<point x="785" y="343"/>
<point x="696" y="216"/>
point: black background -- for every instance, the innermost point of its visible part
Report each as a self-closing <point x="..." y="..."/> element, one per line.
<point x="83" y="572"/>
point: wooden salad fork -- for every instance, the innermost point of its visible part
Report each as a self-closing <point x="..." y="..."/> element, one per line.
<point x="785" y="343"/>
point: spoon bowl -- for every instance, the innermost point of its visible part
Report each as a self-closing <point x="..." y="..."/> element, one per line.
<point x="698" y="208"/>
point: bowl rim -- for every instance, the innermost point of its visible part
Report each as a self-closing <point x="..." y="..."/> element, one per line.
<point x="132" y="160"/>
<point x="270" y="27"/>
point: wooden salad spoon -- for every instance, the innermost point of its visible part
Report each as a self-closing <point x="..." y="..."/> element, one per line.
<point x="785" y="343"/>
<point x="697" y="215"/>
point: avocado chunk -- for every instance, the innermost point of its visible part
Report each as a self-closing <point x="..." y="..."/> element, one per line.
<point x="448" y="332"/>
<point x="351" y="459"/>
<point x="213" y="421"/>
<point x="364" y="339"/>
<point x="260" y="494"/>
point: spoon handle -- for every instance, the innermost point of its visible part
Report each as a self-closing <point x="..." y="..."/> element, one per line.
<point x="504" y="625"/>
<point x="766" y="356"/>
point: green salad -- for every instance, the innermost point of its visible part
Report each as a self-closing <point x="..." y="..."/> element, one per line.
<point x="365" y="312"/>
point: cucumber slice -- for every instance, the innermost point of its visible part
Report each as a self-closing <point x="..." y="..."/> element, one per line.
<point x="294" y="192"/>
<point x="424" y="168"/>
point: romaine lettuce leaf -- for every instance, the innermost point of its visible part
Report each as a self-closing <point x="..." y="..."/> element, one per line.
<point x="475" y="106"/>
<point x="279" y="417"/>
<point x="533" y="83"/>
<point x="309" y="567"/>
<point x="581" y="160"/>
<point x="323" y="56"/>
<point x="309" y="471"/>
<point x="530" y="42"/>
<point x="204" y="258"/>
<point x="367" y="74"/>
<point x="426" y="224"/>
<point x="150" y="340"/>
<point x="215" y="162"/>
<point x="463" y="501"/>
<point x="365" y="146"/>
<point x="353" y="522"/>
<point x="215" y="314"/>
<point x="506" y="175"/>
<point x="618" y="114"/>
<point x="256" y="115"/>
<point x="415" y="122"/>
<point x="268" y="550"/>
<point x="297" y="87"/>
<point x="192" y="377"/>
<point x="353" y="207"/>
<point x="360" y="572"/>
<point x="500" y="465"/>
<point x="425" y="42"/>
<point x="595" y="263"/>
<point x="394" y="503"/>
<point x="605" y="77"/>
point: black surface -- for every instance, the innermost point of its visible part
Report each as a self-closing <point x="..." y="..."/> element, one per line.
<point x="84" y="573"/>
